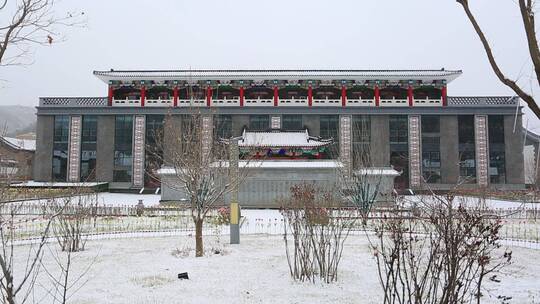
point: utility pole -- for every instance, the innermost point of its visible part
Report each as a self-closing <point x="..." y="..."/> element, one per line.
<point x="235" y="206"/>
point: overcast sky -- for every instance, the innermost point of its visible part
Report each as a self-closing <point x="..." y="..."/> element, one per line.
<point x="310" y="34"/>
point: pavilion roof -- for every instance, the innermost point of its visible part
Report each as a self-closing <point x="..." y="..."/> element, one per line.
<point x="278" y="74"/>
<point x="297" y="139"/>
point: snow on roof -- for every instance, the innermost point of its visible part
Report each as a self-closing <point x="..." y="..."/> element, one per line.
<point x="31" y="184"/>
<point x="106" y="76"/>
<point x="295" y="164"/>
<point x="378" y="171"/>
<point x="20" y="144"/>
<point x="271" y="164"/>
<point x="300" y="139"/>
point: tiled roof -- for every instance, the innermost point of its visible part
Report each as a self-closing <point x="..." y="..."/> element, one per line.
<point x="20" y="144"/>
<point x="274" y="74"/>
<point x="281" y="139"/>
<point x="482" y="100"/>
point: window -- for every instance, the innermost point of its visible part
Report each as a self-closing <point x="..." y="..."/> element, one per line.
<point x="497" y="169"/>
<point x="292" y="122"/>
<point x="431" y="148"/>
<point x="123" y="139"/>
<point x="60" y="148"/>
<point x="361" y="135"/>
<point x="259" y="122"/>
<point x="399" y="148"/>
<point x="88" y="148"/>
<point x="223" y="126"/>
<point x="154" y="149"/>
<point x="467" y="157"/>
<point x="329" y="128"/>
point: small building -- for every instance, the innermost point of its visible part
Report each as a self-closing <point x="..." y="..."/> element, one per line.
<point x="16" y="158"/>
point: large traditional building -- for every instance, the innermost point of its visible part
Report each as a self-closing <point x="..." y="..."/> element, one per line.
<point x="402" y="118"/>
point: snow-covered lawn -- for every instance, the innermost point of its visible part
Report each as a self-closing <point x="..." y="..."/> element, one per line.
<point x="144" y="270"/>
<point x="117" y="199"/>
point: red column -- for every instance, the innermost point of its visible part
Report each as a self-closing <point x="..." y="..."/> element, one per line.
<point x="110" y="96"/>
<point x="444" y="97"/>
<point x="377" y="96"/>
<point x="410" y="96"/>
<point x="310" y="96"/>
<point x="208" y="96"/>
<point x="276" y="96"/>
<point x="143" y="95"/>
<point x="241" y="96"/>
<point x="343" y="96"/>
<point x="175" y="96"/>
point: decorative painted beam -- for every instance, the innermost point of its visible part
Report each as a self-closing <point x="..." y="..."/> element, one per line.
<point x="74" y="157"/>
<point x="345" y="142"/>
<point x="207" y="134"/>
<point x="276" y="122"/>
<point x="415" y="162"/>
<point x="139" y="132"/>
<point x="481" y="147"/>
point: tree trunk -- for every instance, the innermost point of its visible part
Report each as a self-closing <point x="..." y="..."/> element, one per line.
<point x="198" y="238"/>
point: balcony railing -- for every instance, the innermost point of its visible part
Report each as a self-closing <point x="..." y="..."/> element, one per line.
<point x="327" y="102"/>
<point x="226" y="102"/>
<point x="126" y="102"/>
<point x="258" y="102"/>
<point x="394" y="102"/>
<point x="361" y="102"/>
<point x="293" y="102"/>
<point x="192" y="102"/>
<point x="428" y="102"/>
<point x="158" y="102"/>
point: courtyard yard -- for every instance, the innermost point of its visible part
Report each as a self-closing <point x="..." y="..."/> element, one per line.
<point x="144" y="270"/>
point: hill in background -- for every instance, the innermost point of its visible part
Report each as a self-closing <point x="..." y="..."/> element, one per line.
<point x="17" y="120"/>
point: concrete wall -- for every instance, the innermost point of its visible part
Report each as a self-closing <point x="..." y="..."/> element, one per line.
<point x="105" y="148"/>
<point x="515" y="171"/>
<point x="380" y="140"/>
<point x="264" y="187"/>
<point x="172" y="127"/>
<point x="44" y="148"/>
<point x="239" y="122"/>
<point x="312" y="123"/>
<point x="449" y="149"/>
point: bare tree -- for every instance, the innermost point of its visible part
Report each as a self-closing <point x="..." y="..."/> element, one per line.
<point x="30" y="23"/>
<point x="526" y="8"/>
<point x="443" y="255"/>
<point x="16" y="281"/>
<point x="196" y="165"/>
<point x="319" y="225"/>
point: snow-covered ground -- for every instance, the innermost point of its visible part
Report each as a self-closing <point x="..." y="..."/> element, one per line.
<point x="118" y="199"/>
<point x="145" y="271"/>
<point x="473" y="201"/>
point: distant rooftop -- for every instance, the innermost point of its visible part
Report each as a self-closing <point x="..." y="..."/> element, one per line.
<point x="19" y="144"/>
